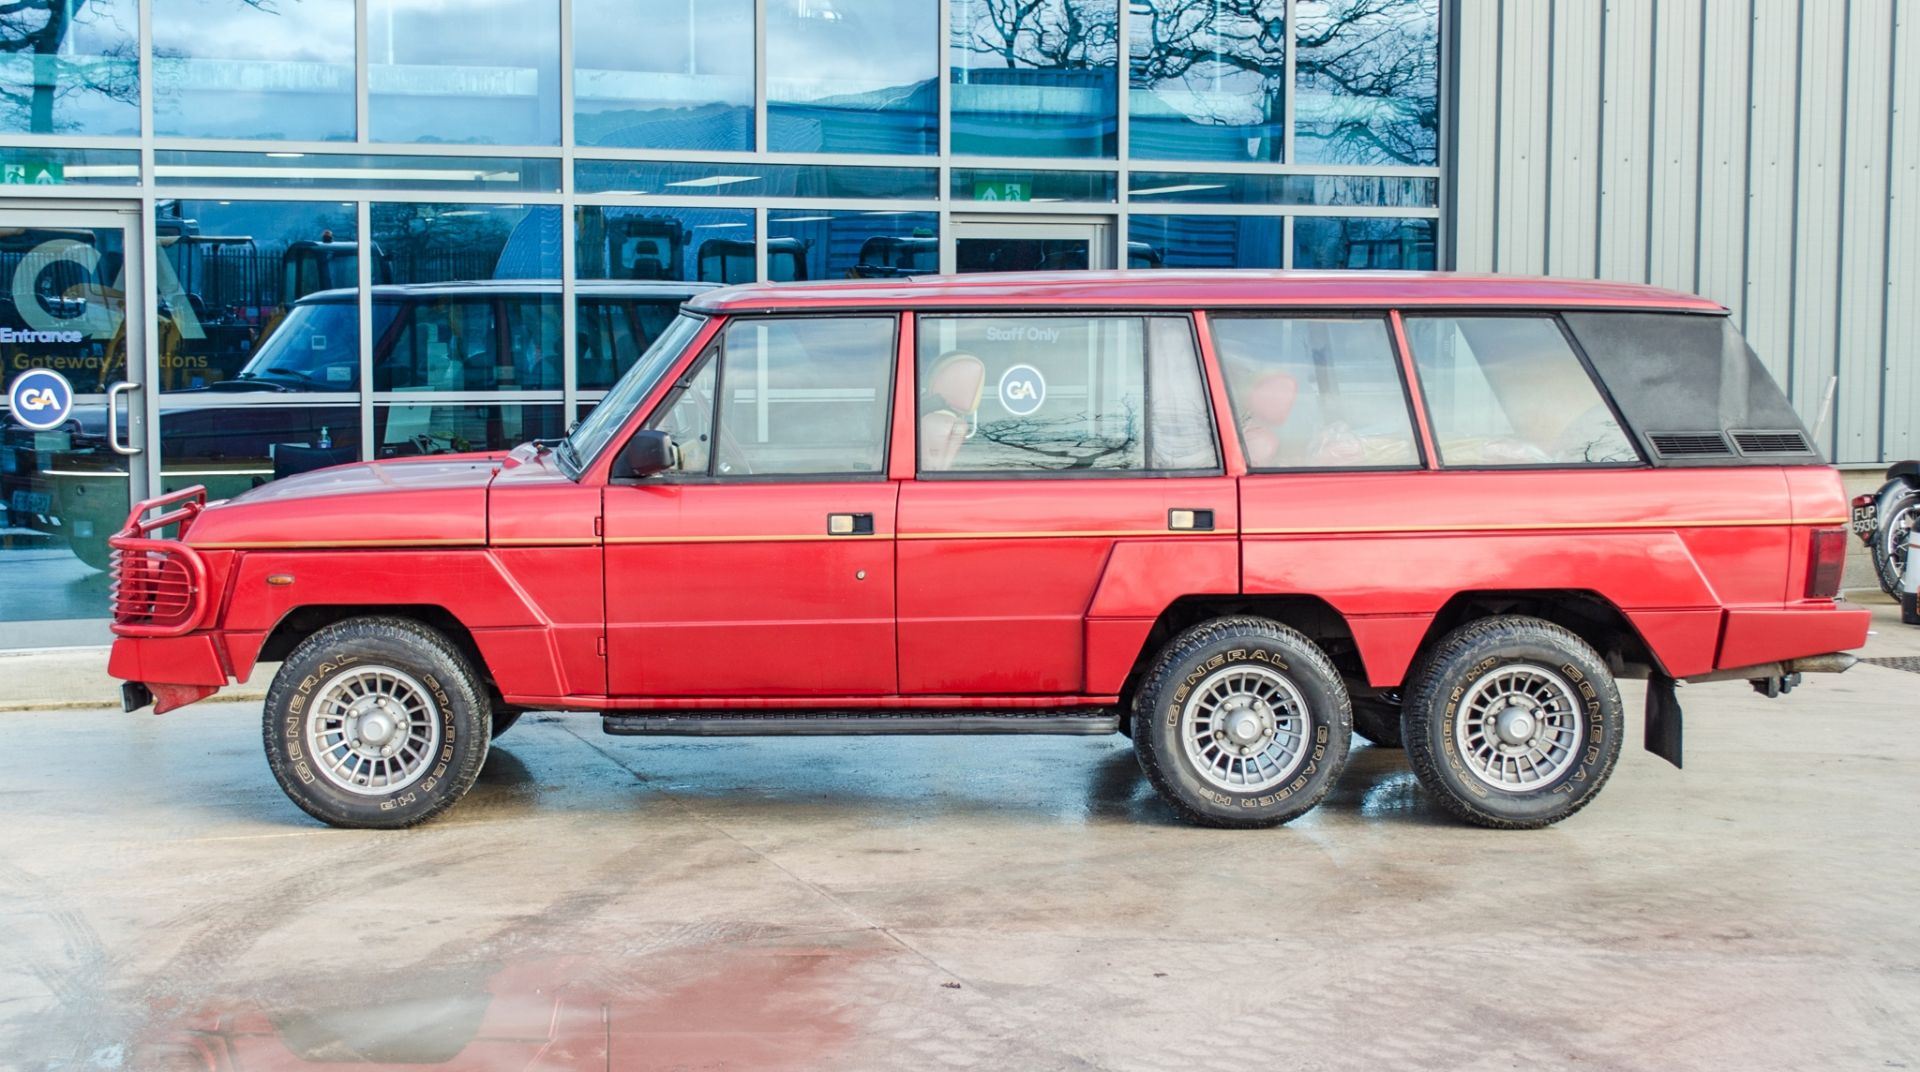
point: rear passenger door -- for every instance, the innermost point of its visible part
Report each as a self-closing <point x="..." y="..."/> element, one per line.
<point x="1068" y="486"/>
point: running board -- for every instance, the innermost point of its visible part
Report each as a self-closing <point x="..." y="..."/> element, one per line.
<point x="1086" y="722"/>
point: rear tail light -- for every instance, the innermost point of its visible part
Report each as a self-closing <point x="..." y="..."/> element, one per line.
<point x="1826" y="559"/>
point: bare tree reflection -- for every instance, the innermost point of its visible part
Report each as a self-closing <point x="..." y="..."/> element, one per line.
<point x="36" y="30"/>
<point x="1369" y="81"/>
<point x="1111" y="441"/>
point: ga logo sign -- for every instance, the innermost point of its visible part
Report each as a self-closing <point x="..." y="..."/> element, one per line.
<point x="1022" y="389"/>
<point x="41" y="399"/>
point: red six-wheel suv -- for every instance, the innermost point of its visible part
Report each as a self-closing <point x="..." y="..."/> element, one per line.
<point x="1233" y="515"/>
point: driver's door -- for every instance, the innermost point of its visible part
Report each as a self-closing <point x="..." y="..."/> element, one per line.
<point x="763" y="565"/>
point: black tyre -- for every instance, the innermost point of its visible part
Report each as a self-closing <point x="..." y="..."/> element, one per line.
<point x="1891" y="542"/>
<point x="1377" y="720"/>
<point x="504" y="718"/>
<point x="376" y="722"/>
<point x="1242" y="722"/>
<point x="1513" y="723"/>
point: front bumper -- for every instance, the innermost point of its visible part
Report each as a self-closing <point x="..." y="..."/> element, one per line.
<point x="171" y="671"/>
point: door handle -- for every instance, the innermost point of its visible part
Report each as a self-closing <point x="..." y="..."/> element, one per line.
<point x="849" y="524"/>
<point x="113" y="417"/>
<point x="1190" y="520"/>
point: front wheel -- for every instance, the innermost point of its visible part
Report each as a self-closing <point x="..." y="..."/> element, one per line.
<point x="376" y="722"/>
<point x="1242" y="722"/>
<point x="1513" y="723"/>
<point x="1894" y="539"/>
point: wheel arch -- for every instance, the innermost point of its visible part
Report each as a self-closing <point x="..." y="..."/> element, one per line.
<point x="1311" y="615"/>
<point x="1584" y="613"/>
<point x="301" y="622"/>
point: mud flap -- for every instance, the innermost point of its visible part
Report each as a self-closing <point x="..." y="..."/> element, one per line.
<point x="1663" y="719"/>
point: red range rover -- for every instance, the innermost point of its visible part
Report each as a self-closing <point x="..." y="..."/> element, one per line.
<point x="1235" y="516"/>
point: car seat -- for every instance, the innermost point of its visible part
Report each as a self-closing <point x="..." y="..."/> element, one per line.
<point x="949" y="398"/>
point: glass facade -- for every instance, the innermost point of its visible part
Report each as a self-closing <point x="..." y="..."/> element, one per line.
<point x="388" y="227"/>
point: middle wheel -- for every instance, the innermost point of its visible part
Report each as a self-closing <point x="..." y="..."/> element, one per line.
<point x="1242" y="722"/>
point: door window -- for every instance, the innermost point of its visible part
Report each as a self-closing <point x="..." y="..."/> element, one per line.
<point x="1509" y="390"/>
<point x="788" y="396"/>
<point x="1062" y="394"/>
<point x="1315" y="392"/>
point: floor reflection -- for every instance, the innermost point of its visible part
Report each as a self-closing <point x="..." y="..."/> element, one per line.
<point x="770" y="1008"/>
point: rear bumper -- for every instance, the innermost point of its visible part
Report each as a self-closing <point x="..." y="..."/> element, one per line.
<point x="1751" y="637"/>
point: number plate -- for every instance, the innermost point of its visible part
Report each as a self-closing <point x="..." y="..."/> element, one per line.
<point x="1865" y="516"/>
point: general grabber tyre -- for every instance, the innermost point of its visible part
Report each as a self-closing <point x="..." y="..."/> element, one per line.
<point x="1377" y="720"/>
<point x="1513" y="723"/>
<point x="376" y="722"/>
<point x="1242" y="722"/>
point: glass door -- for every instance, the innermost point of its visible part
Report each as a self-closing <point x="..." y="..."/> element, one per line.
<point x="1002" y="245"/>
<point x="73" y="427"/>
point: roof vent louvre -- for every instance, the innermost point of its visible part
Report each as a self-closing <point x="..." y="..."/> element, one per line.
<point x="1784" y="441"/>
<point x="1689" y="444"/>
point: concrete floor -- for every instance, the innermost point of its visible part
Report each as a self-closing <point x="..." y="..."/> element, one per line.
<point x="992" y="902"/>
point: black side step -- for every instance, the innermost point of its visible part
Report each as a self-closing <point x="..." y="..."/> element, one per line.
<point x="1084" y="721"/>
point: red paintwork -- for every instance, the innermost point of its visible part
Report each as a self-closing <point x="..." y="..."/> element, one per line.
<point x="991" y="593"/>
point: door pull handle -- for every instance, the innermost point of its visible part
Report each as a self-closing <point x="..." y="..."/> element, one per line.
<point x="113" y="418"/>
<point x="1190" y="520"/>
<point x="849" y="524"/>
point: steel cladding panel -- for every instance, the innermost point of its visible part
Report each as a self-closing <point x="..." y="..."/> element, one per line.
<point x="1764" y="153"/>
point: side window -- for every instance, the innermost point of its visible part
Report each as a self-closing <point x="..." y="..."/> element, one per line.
<point x="1023" y="394"/>
<point x="1315" y="392"/>
<point x="1509" y="390"/>
<point x="533" y="339"/>
<point x="789" y="396"/>
<point x="446" y="344"/>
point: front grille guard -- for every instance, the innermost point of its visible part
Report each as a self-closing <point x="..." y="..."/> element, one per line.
<point x="159" y="585"/>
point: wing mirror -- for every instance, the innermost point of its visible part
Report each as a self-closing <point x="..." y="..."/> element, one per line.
<point x="650" y="451"/>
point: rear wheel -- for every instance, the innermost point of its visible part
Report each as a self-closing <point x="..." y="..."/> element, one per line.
<point x="1242" y="722"/>
<point x="376" y="722"/>
<point x="1513" y="723"/>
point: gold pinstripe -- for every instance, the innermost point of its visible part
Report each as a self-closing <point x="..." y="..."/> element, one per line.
<point x="1334" y="530"/>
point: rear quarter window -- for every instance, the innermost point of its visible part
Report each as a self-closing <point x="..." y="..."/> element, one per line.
<point x="1692" y="390"/>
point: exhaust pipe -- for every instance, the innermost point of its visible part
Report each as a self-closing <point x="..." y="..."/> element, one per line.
<point x="1833" y="662"/>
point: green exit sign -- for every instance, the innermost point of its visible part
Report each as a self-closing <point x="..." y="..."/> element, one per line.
<point x="32" y="173"/>
<point x="1002" y="191"/>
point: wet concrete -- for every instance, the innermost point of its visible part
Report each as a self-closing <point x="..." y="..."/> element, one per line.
<point x="924" y="903"/>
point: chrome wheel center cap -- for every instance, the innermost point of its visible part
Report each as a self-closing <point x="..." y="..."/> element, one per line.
<point x="1514" y="725"/>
